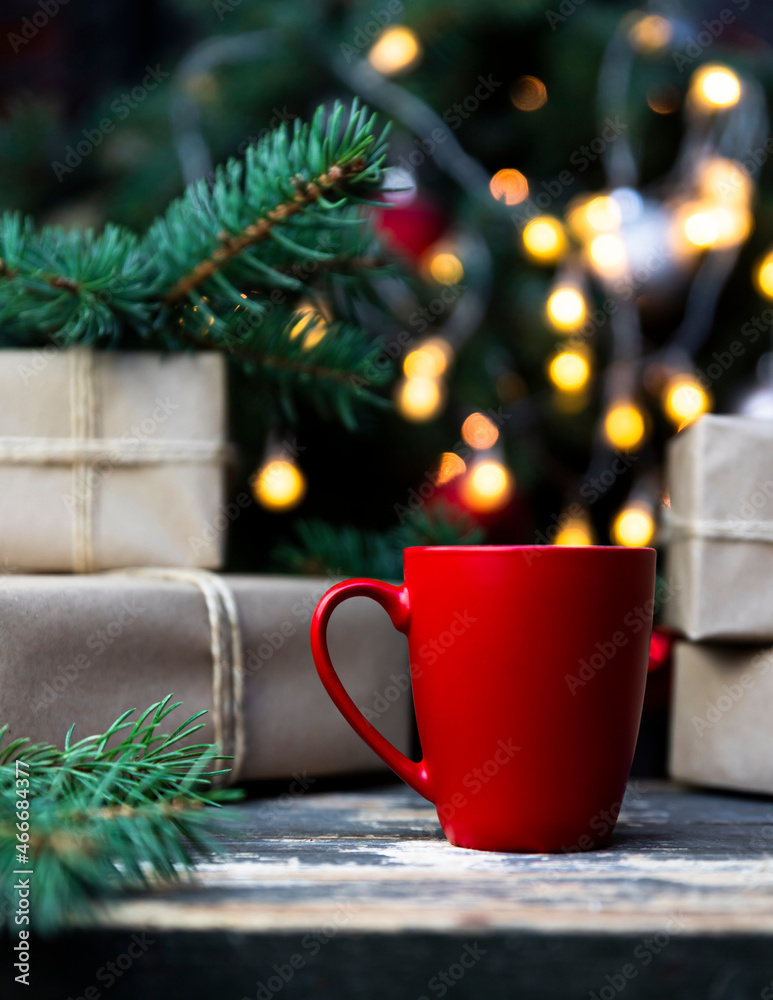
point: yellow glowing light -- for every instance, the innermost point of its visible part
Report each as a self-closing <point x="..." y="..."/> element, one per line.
<point x="445" y="268"/>
<point x="684" y="400"/>
<point x="608" y="256"/>
<point x="311" y="323"/>
<point x="569" y="371"/>
<point x="590" y="216"/>
<point x="428" y="361"/>
<point x="419" y="398"/>
<point x="708" y="224"/>
<point x="528" y="93"/>
<point x="479" y="431"/>
<point x="603" y="213"/>
<point x="396" y="50"/>
<point x="575" y="531"/>
<point x="544" y="239"/>
<point x="733" y="225"/>
<point x="763" y="276"/>
<point x="279" y="485"/>
<point x="650" y="33"/>
<point x="725" y="182"/>
<point x="701" y="229"/>
<point x="624" y="426"/>
<point x="566" y="308"/>
<point x="715" y="86"/>
<point x="487" y="487"/>
<point x="633" y="526"/>
<point x="451" y="466"/>
<point x="509" y="186"/>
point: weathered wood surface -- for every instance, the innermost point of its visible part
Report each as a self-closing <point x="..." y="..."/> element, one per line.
<point x="703" y="859"/>
<point x="361" y="891"/>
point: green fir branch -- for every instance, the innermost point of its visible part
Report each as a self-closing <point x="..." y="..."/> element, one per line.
<point x="286" y="205"/>
<point x="119" y="811"/>
<point x="334" y="374"/>
<point x="226" y="268"/>
<point x="75" y="287"/>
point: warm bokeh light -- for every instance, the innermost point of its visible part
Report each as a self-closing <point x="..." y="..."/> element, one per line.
<point x="311" y="323"/>
<point x="479" y="431"/>
<point x="708" y="224"/>
<point x="487" y="487"/>
<point x="279" y="485"/>
<point x="633" y="526"/>
<point x="445" y="268"/>
<point x="574" y="531"/>
<point x="528" y="93"/>
<point x="428" y="361"/>
<point x="566" y="308"/>
<point x="684" y="400"/>
<point x="763" y="276"/>
<point x="725" y="181"/>
<point x="509" y="186"/>
<point x="603" y="213"/>
<point x="608" y="256"/>
<point x="624" y="426"/>
<point x="701" y="229"/>
<point x="590" y="216"/>
<point x="451" y="466"/>
<point x="419" y="398"/>
<point x="544" y="239"/>
<point x="715" y="86"/>
<point x="396" y="50"/>
<point x="569" y="371"/>
<point x="650" y="33"/>
<point x="733" y="223"/>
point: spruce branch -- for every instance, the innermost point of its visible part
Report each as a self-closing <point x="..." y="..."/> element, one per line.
<point x="227" y="267"/>
<point x="288" y="196"/>
<point x="74" y="287"/>
<point x="110" y="813"/>
<point x="333" y="373"/>
<point x="232" y="246"/>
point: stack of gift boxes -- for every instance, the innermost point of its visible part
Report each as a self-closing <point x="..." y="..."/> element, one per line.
<point x="113" y="517"/>
<point x="720" y="571"/>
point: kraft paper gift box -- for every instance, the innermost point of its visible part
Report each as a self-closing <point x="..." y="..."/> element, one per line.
<point x="83" y="649"/>
<point x="110" y="459"/>
<point x="719" y="530"/>
<point x="721" y="733"/>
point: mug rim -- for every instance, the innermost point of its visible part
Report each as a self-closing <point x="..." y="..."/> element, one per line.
<point x="508" y="549"/>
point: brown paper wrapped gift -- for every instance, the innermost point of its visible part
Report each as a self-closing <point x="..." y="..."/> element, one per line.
<point x="110" y="459"/>
<point x="84" y="649"/>
<point x="720" y="530"/>
<point x="721" y="732"/>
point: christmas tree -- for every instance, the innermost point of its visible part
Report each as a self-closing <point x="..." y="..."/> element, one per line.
<point x="579" y="210"/>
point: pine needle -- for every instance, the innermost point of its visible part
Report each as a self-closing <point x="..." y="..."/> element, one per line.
<point x="278" y="228"/>
<point x="123" y="810"/>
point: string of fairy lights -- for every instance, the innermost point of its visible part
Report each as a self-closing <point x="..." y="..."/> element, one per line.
<point x="685" y="231"/>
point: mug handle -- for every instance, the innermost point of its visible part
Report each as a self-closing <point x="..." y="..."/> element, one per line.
<point x="395" y="601"/>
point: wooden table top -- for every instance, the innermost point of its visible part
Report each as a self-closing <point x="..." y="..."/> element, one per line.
<point x="702" y="861"/>
<point x="363" y="890"/>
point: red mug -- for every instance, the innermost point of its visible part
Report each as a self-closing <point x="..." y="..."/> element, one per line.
<point x="528" y="666"/>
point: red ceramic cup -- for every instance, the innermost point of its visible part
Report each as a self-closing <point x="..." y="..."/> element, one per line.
<point x="528" y="666"/>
